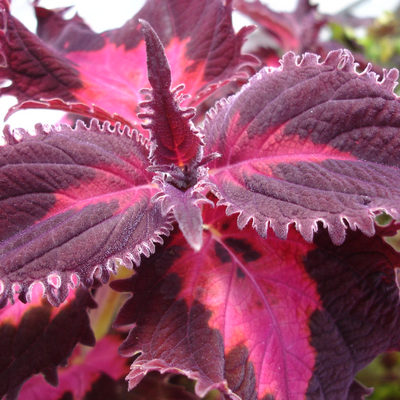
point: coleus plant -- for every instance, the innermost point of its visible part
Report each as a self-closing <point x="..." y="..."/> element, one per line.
<point x="259" y="271"/>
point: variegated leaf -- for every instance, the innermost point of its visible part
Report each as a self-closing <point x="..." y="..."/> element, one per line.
<point x="263" y="318"/>
<point x="309" y="142"/>
<point x="72" y="200"/>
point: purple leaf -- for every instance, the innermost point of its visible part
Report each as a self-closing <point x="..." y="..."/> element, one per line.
<point x="312" y="146"/>
<point x="308" y="142"/>
<point x="35" y="338"/>
<point x="172" y="133"/>
<point x="83" y="371"/>
<point x="185" y="206"/>
<point x="176" y="148"/>
<point x="35" y="70"/>
<point x="199" y="39"/>
<point x="76" y="65"/>
<point x="263" y="318"/>
<point x="73" y="200"/>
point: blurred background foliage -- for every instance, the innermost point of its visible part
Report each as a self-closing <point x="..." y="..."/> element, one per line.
<point x="379" y="43"/>
<point x="383" y="374"/>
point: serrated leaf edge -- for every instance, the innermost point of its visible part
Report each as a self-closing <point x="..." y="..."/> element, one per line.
<point x="56" y="285"/>
<point x="341" y="59"/>
<point x="18" y="135"/>
<point x="75" y="108"/>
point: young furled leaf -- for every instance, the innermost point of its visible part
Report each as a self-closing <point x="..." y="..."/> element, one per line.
<point x="308" y="142"/>
<point x="176" y="148"/>
<point x="35" y="338"/>
<point x="76" y="65"/>
<point x="263" y="318"/>
<point x="185" y="205"/>
<point x="73" y="200"/>
<point x="173" y="137"/>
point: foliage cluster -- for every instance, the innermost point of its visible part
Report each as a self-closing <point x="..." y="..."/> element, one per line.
<point x="233" y="195"/>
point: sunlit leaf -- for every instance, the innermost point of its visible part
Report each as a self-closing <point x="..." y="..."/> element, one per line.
<point x="308" y="142"/>
<point x="73" y="200"/>
<point x="263" y="318"/>
<point x="74" y="64"/>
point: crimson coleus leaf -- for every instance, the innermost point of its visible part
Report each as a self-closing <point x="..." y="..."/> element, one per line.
<point x="176" y="152"/>
<point x="173" y="137"/>
<point x="108" y="69"/>
<point x="37" y="338"/>
<point x="72" y="200"/>
<point x="35" y="70"/>
<point x="308" y="142"/>
<point x="85" y="368"/>
<point x="263" y="318"/>
<point x="40" y="77"/>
